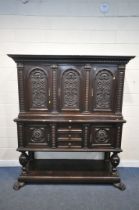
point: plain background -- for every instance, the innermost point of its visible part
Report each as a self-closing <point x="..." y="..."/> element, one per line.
<point x="68" y="27"/>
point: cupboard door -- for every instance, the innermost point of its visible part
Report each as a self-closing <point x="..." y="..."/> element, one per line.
<point x="70" y="88"/>
<point x="104" y="88"/>
<point x="37" y="82"/>
<point x="37" y="134"/>
<point x="103" y="136"/>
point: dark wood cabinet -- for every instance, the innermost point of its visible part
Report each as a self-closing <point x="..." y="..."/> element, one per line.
<point x="73" y="104"/>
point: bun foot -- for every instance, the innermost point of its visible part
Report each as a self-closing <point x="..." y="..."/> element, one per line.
<point x="18" y="185"/>
<point x="121" y="186"/>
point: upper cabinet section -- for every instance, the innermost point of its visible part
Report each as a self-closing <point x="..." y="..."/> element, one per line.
<point x="71" y="84"/>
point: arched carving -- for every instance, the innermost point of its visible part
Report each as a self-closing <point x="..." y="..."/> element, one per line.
<point x="39" y="87"/>
<point x="104" y="83"/>
<point x="71" y="89"/>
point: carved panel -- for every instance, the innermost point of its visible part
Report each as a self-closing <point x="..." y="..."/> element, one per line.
<point x="102" y="135"/>
<point x="39" y="88"/>
<point x="38" y="135"/>
<point x="104" y="84"/>
<point x="71" y="89"/>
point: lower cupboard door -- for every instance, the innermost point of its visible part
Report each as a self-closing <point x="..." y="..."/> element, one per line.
<point x="37" y="135"/>
<point x="105" y="136"/>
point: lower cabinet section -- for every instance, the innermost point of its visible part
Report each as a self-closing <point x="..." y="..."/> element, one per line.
<point x="69" y="135"/>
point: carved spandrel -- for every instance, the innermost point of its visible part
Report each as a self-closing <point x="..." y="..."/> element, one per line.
<point x="71" y="89"/>
<point x="104" y="84"/>
<point x="39" y="88"/>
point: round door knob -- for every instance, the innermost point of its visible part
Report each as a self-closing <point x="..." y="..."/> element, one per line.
<point x="70" y="121"/>
<point x="69" y="135"/>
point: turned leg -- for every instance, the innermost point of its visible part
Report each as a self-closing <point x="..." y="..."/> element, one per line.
<point x="23" y="159"/>
<point x="115" y="160"/>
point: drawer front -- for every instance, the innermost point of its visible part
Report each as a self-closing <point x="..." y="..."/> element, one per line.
<point x="69" y="136"/>
<point x="103" y="136"/>
<point x="37" y="135"/>
<point x="66" y="143"/>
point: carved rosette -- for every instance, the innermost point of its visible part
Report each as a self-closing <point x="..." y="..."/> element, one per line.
<point x="102" y="135"/>
<point x="39" y="88"/>
<point x="71" y="89"/>
<point x="104" y="83"/>
<point x="38" y="135"/>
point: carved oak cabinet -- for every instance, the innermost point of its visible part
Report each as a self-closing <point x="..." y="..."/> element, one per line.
<point x="70" y="104"/>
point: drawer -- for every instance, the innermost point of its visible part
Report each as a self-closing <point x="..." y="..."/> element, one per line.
<point x="66" y="143"/>
<point x="69" y="135"/>
<point x="68" y="127"/>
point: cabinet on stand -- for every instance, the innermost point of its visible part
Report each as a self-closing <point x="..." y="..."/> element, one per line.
<point x="70" y="104"/>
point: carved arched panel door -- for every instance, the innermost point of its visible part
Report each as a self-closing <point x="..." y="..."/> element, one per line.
<point x="70" y="88"/>
<point x="38" y="89"/>
<point x="104" y="88"/>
